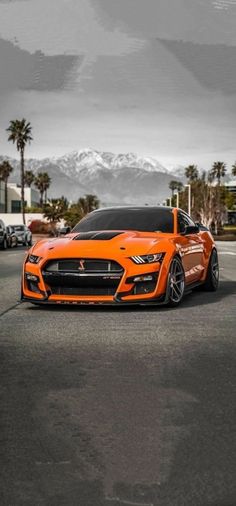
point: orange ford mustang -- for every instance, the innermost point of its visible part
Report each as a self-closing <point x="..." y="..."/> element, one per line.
<point x="135" y="255"/>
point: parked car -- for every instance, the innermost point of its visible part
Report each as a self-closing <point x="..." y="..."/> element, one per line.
<point x="12" y="239"/>
<point x="24" y="235"/>
<point x="3" y="235"/>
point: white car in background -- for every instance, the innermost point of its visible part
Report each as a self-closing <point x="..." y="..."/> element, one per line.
<point x="24" y="235"/>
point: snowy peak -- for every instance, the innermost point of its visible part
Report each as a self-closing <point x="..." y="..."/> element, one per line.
<point x="93" y="160"/>
<point x="114" y="178"/>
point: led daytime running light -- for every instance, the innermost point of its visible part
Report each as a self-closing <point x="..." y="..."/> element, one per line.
<point x="147" y="259"/>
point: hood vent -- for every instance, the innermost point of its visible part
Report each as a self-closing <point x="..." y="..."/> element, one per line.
<point x="96" y="236"/>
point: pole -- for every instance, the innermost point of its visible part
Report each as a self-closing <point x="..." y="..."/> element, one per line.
<point x="189" y="198"/>
<point x="177" y="199"/>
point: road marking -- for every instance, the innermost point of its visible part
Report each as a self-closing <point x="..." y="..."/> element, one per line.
<point x="227" y="253"/>
<point x="10" y="308"/>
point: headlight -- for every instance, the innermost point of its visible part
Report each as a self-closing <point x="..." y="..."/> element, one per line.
<point x="147" y="259"/>
<point x="33" y="259"/>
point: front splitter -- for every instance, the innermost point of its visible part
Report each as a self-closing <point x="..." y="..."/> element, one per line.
<point x="161" y="300"/>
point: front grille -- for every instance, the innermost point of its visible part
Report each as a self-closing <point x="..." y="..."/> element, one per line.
<point x="75" y="276"/>
<point x="83" y="290"/>
<point x="87" y="265"/>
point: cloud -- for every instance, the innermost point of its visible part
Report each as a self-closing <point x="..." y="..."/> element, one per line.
<point x="223" y="4"/>
<point x="25" y="71"/>
<point x="214" y="66"/>
<point x="62" y="27"/>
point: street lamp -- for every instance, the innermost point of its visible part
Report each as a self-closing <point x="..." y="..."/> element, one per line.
<point x="189" y="197"/>
<point x="177" y="198"/>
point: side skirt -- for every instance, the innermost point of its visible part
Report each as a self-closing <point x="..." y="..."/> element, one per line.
<point x="191" y="286"/>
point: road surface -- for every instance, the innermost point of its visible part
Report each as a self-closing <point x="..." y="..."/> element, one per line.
<point x="109" y="406"/>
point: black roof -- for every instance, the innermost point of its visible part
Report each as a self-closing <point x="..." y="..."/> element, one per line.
<point x="134" y="208"/>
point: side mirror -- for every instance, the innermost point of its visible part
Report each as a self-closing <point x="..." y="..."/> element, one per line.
<point x="202" y="227"/>
<point x="191" y="229"/>
<point x="64" y="230"/>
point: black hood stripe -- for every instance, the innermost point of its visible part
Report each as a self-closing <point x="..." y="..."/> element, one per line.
<point x="96" y="236"/>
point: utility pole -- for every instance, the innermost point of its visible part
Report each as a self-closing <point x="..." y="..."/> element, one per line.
<point x="189" y="198"/>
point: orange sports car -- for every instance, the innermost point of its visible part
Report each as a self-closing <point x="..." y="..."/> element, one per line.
<point x="123" y="255"/>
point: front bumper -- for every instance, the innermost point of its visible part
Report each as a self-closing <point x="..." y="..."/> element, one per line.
<point x="136" y="284"/>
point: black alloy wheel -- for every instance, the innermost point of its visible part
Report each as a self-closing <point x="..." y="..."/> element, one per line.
<point x="175" y="282"/>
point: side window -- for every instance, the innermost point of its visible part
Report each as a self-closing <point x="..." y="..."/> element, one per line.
<point x="183" y="221"/>
<point x="1" y="224"/>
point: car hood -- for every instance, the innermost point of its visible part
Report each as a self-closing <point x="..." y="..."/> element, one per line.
<point x="110" y="244"/>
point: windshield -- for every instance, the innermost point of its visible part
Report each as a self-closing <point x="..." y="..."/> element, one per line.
<point x="143" y="220"/>
<point x="18" y="228"/>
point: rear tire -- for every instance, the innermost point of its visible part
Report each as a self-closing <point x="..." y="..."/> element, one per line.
<point x="175" y="283"/>
<point x="212" y="278"/>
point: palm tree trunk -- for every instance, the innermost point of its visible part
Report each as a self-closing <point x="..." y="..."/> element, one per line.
<point x="6" y="206"/>
<point x="22" y="184"/>
<point x="41" y="198"/>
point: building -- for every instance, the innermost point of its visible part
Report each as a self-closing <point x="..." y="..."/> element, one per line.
<point x="231" y="186"/>
<point x="32" y="197"/>
<point x="2" y="197"/>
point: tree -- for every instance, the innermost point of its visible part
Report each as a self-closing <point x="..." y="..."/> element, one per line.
<point x="175" y="186"/>
<point x="209" y="202"/>
<point x="47" y="183"/>
<point x="218" y="171"/>
<point x="179" y="186"/>
<point x="42" y="182"/>
<point x="20" y="134"/>
<point x="77" y="211"/>
<point x="73" y="215"/>
<point x="29" y="178"/>
<point x="5" y="171"/>
<point x="88" y="203"/>
<point x="55" y="209"/>
<point x="191" y="173"/>
<point x="234" y="169"/>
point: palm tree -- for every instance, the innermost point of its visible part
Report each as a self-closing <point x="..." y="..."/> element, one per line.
<point x="218" y="171"/>
<point x="179" y="186"/>
<point x="42" y="182"/>
<point x="20" y="134"/>
<point x="88" y="203"/>
<point x="5" y="171"/>
<point x="173" y="186"/>
<point x="191" y="173"/>
<point x="47" y="182"/>
<point x="234" y="169"/>
<point x="55" y="209"/>
<point x="29" y="178"/>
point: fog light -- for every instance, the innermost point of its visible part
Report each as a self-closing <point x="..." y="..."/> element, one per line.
<point x="140" y="279"/>
<point x="31" y="277"/>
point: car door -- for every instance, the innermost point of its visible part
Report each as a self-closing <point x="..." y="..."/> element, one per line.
<point x="191" y="249"/>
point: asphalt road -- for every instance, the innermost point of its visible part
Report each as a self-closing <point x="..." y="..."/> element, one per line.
<point x="127" y="406"/>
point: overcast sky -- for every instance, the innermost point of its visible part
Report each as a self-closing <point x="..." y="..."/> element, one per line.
<point x="155" y="77"/>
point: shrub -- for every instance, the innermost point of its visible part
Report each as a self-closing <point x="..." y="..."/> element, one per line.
<point x="40" y="227"/>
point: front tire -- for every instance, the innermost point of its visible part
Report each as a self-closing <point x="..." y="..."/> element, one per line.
<point x="4" y="243"/>
<point x="175" y="283"/>
<point x="212" y="278"/>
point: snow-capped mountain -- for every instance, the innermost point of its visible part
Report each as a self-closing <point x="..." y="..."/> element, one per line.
<point x="92" y="160"/>
<point x="114" y="178"/>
